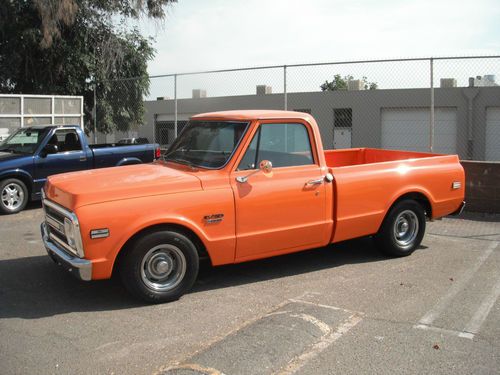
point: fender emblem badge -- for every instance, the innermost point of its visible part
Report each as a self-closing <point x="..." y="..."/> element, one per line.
<point x="214" y="218"/>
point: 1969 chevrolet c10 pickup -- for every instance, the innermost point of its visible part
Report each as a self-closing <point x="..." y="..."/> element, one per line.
<point x="237" y="186"/>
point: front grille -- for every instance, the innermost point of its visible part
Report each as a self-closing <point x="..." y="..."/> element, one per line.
<point x="55" y="228"/>
<point x="49" y="211"/>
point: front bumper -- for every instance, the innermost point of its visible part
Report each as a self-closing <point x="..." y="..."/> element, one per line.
<point x="80" y="268"/>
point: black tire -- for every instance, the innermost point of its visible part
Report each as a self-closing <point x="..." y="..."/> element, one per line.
<point x="13" y="196"/>
<point x="159" y="266"/>
<point x="402" y="230"/>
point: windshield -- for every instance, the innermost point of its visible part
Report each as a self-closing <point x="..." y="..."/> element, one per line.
<point x="24" y="141"/>
<point x="206" y="144"/>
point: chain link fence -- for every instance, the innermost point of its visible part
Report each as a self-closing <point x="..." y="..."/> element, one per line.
<point x="443" y="105"/>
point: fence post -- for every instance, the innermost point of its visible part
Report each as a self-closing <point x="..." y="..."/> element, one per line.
<point x="155" y="129"/>
<point x="175" y="106"/>
<point x="284" y="88"/>
<point x="22" y="111"/>
<point x="95" y="113"/>
<point x="431" y="135"/>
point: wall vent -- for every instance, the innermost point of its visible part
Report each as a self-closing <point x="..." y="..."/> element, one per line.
<point x="199" y="93"/>
<point x="264" y="90"/>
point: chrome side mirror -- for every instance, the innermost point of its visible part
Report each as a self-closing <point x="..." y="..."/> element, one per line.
<point x="265" y="166"/>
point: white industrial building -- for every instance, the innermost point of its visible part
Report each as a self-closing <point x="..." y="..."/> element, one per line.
<point x="466" y="119"/>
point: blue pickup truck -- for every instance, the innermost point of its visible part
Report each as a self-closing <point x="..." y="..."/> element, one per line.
<point x="31" y="154"/>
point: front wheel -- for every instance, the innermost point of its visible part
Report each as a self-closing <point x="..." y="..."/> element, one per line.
<point x="402" y="230"/>
<point x="160" y="266"/>
<point x="13" y="196"/>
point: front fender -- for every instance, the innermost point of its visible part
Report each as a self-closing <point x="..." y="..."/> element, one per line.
<point x="127" y="218"/>
<point x="20" y="174"/>
<point x="162" y="221"/>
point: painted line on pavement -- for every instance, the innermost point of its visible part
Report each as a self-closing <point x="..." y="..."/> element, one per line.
<point x="330" y="334"/>
<point x="197" y="368"/>
<point x="439" y="330"/>
<point x="437" y="310"/>
<point x="482" y="312"/>
<point x="298" y="300"/>
<point x="297" y="363"/>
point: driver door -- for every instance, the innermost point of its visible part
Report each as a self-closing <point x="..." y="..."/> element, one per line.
<point x="287" y="210"/>
<point x="70" y="157"/>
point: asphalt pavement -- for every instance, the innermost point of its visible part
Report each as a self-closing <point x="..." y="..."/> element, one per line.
<point x="341" y="309"/>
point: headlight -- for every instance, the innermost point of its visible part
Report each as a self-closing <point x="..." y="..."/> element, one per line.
<point x="69" y="230"/>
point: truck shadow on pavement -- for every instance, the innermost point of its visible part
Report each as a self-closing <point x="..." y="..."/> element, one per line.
<point x="33" y="205"/>
<point x="356" y="251"/>
<point x="34" y="287"/>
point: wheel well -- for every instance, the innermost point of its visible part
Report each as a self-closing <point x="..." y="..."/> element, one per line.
<point x="420" y="199"/>
<point x="26" y="181"/>
<point x="131" y="161"/>
<point x="200" y="247"/>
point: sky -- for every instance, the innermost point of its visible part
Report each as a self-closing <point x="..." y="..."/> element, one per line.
<point x="219" y="34"/>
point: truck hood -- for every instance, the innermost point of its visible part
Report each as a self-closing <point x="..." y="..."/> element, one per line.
<point x="76" y="189"/>
<point x="10" y="157"/>
<point x="13" y="162"/>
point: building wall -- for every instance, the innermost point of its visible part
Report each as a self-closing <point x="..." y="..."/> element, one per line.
<point x="366" y="111"/>
<point x="482" y="189"/>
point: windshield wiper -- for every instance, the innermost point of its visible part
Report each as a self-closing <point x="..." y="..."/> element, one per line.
<point x="165" y="156"/>
<point x="181" y="161"/>
<point x="15" y="151"/>
<point x="12" y="150"/>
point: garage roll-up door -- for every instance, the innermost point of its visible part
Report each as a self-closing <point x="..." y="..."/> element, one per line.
<point x="408" y="129"/>
<point x="493" y="134"/>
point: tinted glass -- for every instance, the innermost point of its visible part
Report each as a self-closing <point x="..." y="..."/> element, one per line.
<point x="249" y="160"/>
<point x="23" y="141"/>
<point x="207" y="144"/>
<point x="66" y="140"/>
<point x="285" y="145"/>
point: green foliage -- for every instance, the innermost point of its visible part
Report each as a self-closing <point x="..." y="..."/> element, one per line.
<point x="340" y="83"/>
<point x="68" y="47"/>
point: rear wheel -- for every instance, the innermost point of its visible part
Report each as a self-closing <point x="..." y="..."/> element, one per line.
<point x="160" y="266"/>
<point x="402" y="230"/>
<point x="13" y="196"/>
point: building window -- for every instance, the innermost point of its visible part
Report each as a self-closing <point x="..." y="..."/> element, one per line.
<point x="342" y="118"/>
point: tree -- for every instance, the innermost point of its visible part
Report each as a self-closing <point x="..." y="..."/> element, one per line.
<point x="339" y="83"/>
<point x="68" y="47"/>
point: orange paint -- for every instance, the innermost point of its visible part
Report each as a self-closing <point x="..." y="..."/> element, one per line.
<point x="264" y="216"/>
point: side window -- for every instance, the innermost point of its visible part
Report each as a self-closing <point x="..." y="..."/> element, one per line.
<point x="285" y="145"/>
<point x="67" y="140"/>
<point x="249" y="160"/>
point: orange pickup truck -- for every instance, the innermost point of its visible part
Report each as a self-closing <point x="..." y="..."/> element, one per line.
<point x="237" y="186"/>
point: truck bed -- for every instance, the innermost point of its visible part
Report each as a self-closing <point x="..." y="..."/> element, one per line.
<point x="358" y="156"/>
<point x="110" y="155"/>
<point x="368" y="181"/>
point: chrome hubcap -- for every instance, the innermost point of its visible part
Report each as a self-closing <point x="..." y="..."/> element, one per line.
<point x="406" y="228"/>
<point x="12" y="196"/>
<point x="163" y="267"/>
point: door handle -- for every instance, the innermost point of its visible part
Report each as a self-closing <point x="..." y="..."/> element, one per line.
<point x="83" y="158"/>
<point x="319" y="181"/>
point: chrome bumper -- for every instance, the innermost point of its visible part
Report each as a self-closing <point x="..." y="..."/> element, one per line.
<point x="80" y="268"/>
